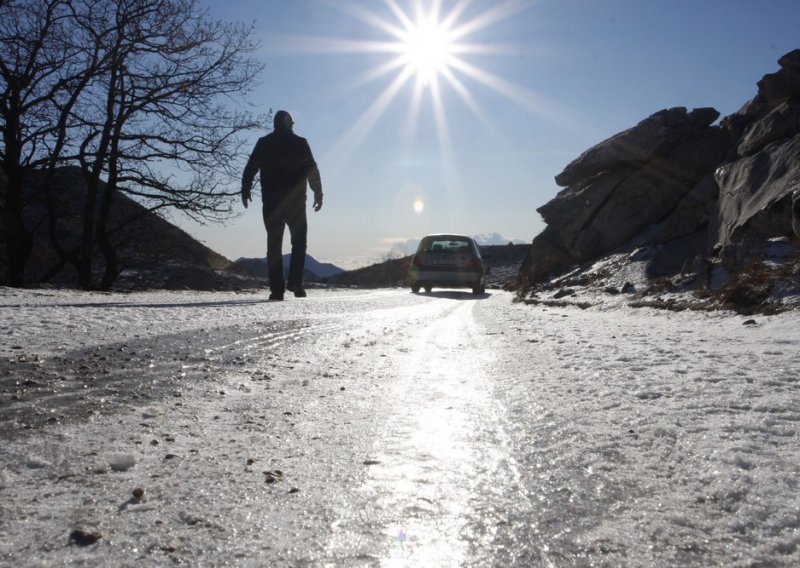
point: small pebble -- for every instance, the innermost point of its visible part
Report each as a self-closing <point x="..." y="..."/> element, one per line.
<point x="273" y="476"/>
<point x="83" y="537"/>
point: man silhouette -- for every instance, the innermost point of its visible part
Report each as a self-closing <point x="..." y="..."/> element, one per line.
<point x="285" y="163"/>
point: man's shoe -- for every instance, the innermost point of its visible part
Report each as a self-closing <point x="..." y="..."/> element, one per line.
<point x="298" y="292"/>
<point x="275" y="297"/>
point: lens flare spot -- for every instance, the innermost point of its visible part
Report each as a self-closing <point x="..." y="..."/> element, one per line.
<point x="419" y="205"/>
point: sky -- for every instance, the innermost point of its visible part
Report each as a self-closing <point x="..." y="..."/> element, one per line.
<point x="455" y="115"/>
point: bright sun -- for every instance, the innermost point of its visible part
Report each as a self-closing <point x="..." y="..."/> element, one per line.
<point x="430" y="43"/>
<point x="427" y="48"/>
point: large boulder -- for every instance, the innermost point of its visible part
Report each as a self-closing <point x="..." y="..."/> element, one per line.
<point x="755" y="195"/>
<point x="774" y="88"/>
<point x="546" y="256"/>
<point x="627" y="184"/>
<point x="796" y="212"/>
<point x="780" y="123"/>
<point x="692" y="192"/>
<point x="658" y="133"/>
<point x="691" y="215"/>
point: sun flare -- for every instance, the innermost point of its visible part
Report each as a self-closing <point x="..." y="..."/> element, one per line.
<point x="433" y="52"/>
<point x="427" y="48"/>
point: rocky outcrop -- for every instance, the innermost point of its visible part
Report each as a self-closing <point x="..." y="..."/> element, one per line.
<point x="796" y="212"/>
<point x="691" y="191"/>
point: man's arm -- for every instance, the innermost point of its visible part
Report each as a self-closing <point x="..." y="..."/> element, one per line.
<point x="313" y="177"/>
<point x="316" y="186"/>
<point x="249" y="174"/>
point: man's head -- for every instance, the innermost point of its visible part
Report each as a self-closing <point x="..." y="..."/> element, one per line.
<point x="283" y="121"/>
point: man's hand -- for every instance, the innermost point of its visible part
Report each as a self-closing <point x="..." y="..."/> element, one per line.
<point x="245" y="197"/>
<point x="317" y="202"/>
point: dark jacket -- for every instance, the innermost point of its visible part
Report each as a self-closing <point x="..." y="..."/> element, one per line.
<point x="286" y="164"/>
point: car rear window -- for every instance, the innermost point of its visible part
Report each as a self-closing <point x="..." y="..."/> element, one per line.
<point x="446" y="246"/>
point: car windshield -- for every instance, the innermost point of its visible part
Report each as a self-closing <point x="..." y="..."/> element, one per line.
<point x="445" y="245"/>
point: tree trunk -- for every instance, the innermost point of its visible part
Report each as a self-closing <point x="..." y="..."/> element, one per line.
<point x="19" y="242"/>
<point x="86" y="249"/>
<point x="111" y="270"/>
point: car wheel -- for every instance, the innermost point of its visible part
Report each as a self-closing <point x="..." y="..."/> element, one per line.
<point x="476" y="290"/>
<point x="428" y="289"/>
<point x="415" y="289"/>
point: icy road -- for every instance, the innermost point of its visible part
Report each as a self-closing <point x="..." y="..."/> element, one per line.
<point x="391" y="429"/>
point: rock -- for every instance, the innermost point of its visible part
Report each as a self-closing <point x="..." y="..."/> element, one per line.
<point x="755" y="194"/>
<point x="83" y="537"/>
<point x="138" y="493"/>
<point x="700" y="199"/>
<point x="639" y="144"/>
<point x="775" y="87"/>
<point x="564" y="292"/>
<point x="273" y="476"/>
<point x="796" y="212"/>
<point x="546" y="256"/>
<point x="779" y="124"/>
<point x="572" y="208"/>
<point x="692" y="213"/>
<point x="121" y="462"/>
<point x="642" y="199"/>
<point x="626" y="185"/>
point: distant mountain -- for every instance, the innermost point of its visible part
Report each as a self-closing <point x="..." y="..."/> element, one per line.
<point x="409" y="246"/>
<point x="314" y="270"/>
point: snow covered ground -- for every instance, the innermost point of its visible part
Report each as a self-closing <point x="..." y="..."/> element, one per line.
<point x="387" y="428"/>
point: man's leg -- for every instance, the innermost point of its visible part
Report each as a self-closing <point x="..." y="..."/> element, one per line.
<point x="298" y="230"/>
<point x="275" y="226"/>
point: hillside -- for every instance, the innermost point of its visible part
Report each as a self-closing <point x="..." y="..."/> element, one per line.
<point x="153" y="253"/>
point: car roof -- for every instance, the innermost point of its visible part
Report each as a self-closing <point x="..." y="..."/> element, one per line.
<point x="449" y="236"/>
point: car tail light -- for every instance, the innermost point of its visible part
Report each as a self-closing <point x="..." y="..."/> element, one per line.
<point x="416" y="261"/>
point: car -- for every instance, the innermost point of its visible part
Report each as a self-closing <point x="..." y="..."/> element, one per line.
<point x="447" y="261"/>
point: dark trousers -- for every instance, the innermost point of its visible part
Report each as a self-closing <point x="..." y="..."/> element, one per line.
<point x="276" y="218"/>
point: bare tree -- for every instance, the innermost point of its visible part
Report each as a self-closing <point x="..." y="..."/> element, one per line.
<point x="41" y="76"/>
<point x="142" y="98"/>
<point x="160" y="128"/>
